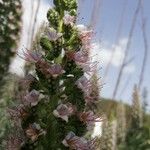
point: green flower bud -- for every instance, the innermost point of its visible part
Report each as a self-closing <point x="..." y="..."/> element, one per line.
<point x="53" y="17"/>
<point x="73" y="12"/>
<point x="46" y="44"/>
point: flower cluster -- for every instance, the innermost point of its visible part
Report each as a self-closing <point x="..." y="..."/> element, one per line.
<point x="89" y="88"/>
<point x="89" y="118"/>
<point x="66" y="80"/>
<point x="48" y="69"/>
<point x="31" y="98"/>
<point x="77" y="143"/>
<point x="85" y="36"/>
<point x="63" y="111"/>
<point x="31" y="56"/>
<point x="34" y="131"/>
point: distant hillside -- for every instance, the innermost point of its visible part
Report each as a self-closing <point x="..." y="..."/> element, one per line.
<point x="108" y="107"/>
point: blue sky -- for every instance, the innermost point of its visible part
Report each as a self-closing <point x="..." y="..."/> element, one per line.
<point x="107" y="19"/>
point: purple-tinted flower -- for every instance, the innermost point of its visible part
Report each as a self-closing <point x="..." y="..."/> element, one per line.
<point x="53" y="35"/>
<point x="78" y="57"/>
<point x="31" y="98"/>
<point x="81" y="57"/>
<point x="31" y="56"/>
<point x="43" y="67"/>
<point x="88" y="67"/>
<point x="89" y="118"/>
<point x="84" y="84"/>
<point x="86" y="36"/>
<point x="34" y="131"/>
<point x="14" y="143"/>
<point x="68" y="19"/>
<point x="63" y="111"/>
<point x="77" y="143"/>
<point x="55" y="70"/>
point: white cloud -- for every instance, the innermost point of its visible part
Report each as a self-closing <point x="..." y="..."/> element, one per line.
<point x="103" y="54"/>
<point x="129" y="69"/>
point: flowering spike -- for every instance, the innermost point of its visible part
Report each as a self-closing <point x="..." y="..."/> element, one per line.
<point x="63" y="74"/>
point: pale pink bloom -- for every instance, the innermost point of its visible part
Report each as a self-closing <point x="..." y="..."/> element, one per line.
<point x="78" y="57"/>
<point x="68" y="19"/>
<point x="81" y="57"/>
<point x="43" y="67"/>
<point x="88" y="67"/>
<point x="83" y="83"/>
<point x="86" y="37"/>
<point x="84" y="33"/>
<point x="63" y="111"/>
<point x="77" y="143"/>
<point x="31" y="98"/>
<point x="55" y="70"/>
<point x="91" y="99"/>
<point x="89" y="118"/>
<point x="34" y="131"/>
<point x="31" y="56"/>
<point x="52" y="34"/>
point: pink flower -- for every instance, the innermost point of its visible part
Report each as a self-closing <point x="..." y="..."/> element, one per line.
<point x="84" y="84"/>
<point x="55" y="70"/>
<point x="34" y="131"/>
<point x="43" y="67"/>
<point x="89" y="67"/>
<point x="81" y="57"/>
<point x="31" y="98"/>
<point x="86" y="36"/>
<point x="68" y="19"/>
<point x="63" y="111"/>
<point x="31" y="56"/>
<point x="77" y="143"/>
<point x="53" y="35"/>
<point x="89" y="119"/>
